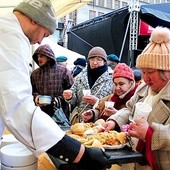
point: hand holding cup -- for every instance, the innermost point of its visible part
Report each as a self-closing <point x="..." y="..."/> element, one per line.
<point x="109" y="108"/>
<point x="142" y="110"/>
<point x="86" y="92"/>
<point x="109" y="104"/>
<point x="87" y="115"/>
<point x="67" y="94"/>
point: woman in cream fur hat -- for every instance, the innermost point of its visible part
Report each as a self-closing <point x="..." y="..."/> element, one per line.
<point x="152" y="132"/>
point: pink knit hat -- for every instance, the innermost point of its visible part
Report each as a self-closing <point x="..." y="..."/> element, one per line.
<point x="122" y="70"/>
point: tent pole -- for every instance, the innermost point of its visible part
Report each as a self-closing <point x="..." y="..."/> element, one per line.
<point x="123" y="44"/>
<point x="134" y="27"/>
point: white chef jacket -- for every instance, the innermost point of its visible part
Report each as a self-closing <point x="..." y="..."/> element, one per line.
<point x="18" y="113"/>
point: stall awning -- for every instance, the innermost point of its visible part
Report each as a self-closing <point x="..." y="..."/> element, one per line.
<point x="62" y="7"/>
<point x="145" y="29"/>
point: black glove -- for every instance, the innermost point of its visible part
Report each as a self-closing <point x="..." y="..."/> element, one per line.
<point x="94" y="159"/>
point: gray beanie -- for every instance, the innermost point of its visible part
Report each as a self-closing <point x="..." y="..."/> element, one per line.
<point x="97" y="51"/>
<point x="40" y="11"/>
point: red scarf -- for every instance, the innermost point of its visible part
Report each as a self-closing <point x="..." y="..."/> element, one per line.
<point x="120" y="103"/>
<point x="146" y="147"/>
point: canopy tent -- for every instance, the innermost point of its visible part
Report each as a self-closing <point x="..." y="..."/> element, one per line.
<point x="157" y="14"/>
<point x="108" y="30"/>
<point x="62" y="7"/>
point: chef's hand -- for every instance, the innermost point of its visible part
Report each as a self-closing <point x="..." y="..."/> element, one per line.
<point x="138" y="129"/>
<point x="107" y="126"/>
<point x="94" y="159"/>
<point x="90" y="99"/>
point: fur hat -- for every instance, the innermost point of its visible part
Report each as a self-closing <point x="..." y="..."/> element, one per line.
<point x="97" y="51"/>
<point x="44" y="50"/>
<point x="113" y="57"/>
<point x="40" y="11"/>
<point x="122" y="70"/>
<point x="61" y="59"/>
<point x="156" y="54"/>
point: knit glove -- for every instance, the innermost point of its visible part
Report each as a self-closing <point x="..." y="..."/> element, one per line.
<point x="94" y="159"/>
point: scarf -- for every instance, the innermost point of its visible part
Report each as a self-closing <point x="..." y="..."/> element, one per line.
<point x="146" y="148"/>
<point x="94" y="74"/>
<point x="121" y="102"/>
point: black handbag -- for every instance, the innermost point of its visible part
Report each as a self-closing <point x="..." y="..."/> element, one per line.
<point x="59" y="116"/>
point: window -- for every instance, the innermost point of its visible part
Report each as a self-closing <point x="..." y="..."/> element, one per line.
<point x="117" y="4"/>
<point x="157" y="1"/>
<point x="144" y="0"/>
<point x="101" y="3"/>
<point x="92" y="14"/>
<point x="72" y="17"/>
<point x="109" y="4"/>
<point x="124" y="4"/>
<point x="100" y="13"/>
<point x="92" y="2"/>
<point x="151" y="1"/>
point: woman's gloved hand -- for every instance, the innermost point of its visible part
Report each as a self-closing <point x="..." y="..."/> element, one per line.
<point x="94" y="159"/>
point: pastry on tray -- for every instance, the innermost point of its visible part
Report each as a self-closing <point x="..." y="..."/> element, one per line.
<point x="87" y="134"/>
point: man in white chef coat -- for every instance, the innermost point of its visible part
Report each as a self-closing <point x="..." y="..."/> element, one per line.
<point x="30" y="22"/>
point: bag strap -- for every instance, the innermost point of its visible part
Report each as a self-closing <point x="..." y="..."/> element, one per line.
<point x="57" y="103"/>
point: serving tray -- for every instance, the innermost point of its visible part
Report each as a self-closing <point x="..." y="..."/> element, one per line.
<point x="117" y="156"/>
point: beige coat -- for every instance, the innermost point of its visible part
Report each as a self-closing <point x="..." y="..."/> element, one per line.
<point x="159" y="120"/>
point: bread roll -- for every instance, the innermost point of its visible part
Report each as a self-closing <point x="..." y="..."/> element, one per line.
<point x="99" y="121"/>
<point x="78" y="128"/>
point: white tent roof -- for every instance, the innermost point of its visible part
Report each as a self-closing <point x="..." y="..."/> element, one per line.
<point x="62" y="7"/>
<point x="61" y="51"/>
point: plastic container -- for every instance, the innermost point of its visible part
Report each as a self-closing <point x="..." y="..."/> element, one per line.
<point x="17" y="157"/>
<point x="8" y="139"/>
<point x="45" y="100"/>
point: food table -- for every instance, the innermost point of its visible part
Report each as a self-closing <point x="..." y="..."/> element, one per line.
<point x="117" y="156"/>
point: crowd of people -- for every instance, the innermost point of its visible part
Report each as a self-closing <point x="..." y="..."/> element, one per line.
<point x="103" y="75"/>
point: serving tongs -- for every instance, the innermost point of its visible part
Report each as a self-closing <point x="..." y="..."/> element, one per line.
<point x="130" y="141"/>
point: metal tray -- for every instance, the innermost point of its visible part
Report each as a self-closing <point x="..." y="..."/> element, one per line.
<point x="124" y="155"/>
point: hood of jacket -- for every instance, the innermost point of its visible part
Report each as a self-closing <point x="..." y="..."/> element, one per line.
<point x="44" y="50"/>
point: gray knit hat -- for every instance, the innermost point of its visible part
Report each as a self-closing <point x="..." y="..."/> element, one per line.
<point x="97" y="51"/>
<point x="40" y="11"/>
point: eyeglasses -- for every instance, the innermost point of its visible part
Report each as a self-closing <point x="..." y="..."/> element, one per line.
<point x="97" y="60"/>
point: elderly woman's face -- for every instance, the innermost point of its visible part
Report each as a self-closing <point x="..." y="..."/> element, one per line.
<point x="153" y="79"/>
<point x="96" y="62"/>
<point x="121" y="85"/>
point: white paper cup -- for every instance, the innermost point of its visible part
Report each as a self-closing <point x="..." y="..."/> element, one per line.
<point x="142" y="110"/>
<point x="86" y="92"/>
<point x="109" y="104"/>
